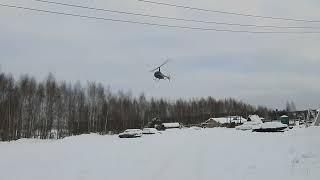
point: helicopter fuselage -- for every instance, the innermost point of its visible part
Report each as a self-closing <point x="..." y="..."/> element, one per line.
<point x="159" y="75"/>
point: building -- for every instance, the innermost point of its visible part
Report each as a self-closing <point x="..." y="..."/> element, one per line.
<point x="317" y="120"/>
<point x="229" y="121"/>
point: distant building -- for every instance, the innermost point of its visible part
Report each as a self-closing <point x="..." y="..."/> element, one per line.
<point x="317" y="120"/>
<point x="284" y="119"/>
<point x="229" y="121"/>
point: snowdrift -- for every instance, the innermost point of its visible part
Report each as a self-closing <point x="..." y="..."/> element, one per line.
<point x="248" y="126"/>
<point x="150" y="131"/>
<point x="255" y="118"/>
<point x="270" y="127"/>
<point x="131" y="133"/>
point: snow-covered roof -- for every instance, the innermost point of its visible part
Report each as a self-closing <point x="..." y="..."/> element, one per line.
<point x="236" y="119"/>
<point x="171" y="125"/>
<point x="255" y="118"/>
<point x="150" y="131"/>
<point x="284" y="116"/>
<point x="132" y="131"/>
<point x="270" y="125"/>
<point x="248" y="125"/>
<point x="207" y="121"/>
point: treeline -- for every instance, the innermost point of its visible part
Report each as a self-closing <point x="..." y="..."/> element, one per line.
<point x="47" y="109"/>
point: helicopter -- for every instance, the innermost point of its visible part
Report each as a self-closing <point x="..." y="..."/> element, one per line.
<point x="158" y="74"/>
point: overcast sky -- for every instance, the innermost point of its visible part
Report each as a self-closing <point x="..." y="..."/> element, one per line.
<point x="266" y="69"/>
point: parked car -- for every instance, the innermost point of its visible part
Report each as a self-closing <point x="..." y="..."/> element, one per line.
<point x="131" y="133"/>
<point x="149" y="131"/>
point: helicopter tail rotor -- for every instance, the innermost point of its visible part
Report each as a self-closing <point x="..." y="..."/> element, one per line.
<point x="168" y="77"/>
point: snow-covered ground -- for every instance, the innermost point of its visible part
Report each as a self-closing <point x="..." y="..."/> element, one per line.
<point x="181" y="154"/>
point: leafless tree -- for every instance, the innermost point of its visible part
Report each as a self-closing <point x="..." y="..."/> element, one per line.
<point x="49" y="109"/>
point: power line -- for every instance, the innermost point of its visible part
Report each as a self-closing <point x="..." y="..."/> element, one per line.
<point x="174" y="18"/>
<point x="229" y="13"/>
<point x="156" y="24"/>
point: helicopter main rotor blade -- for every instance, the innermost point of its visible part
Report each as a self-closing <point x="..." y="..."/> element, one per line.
<point x="164" y="63"/>
<point x="160" y="65"/>
<point x="154" y="69"/>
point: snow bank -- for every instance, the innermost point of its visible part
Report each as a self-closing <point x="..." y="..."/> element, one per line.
<point x="150" y="131"/>
<point x="255" y="118"/>
<point x="195" y="128"/>
<point x="249" y="126"/>
<point x="131" y="133"/>
<point x="270" y="125"/>
<point x="256" y="125"/>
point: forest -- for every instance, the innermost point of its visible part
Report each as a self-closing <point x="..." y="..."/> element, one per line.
<point x="33" y="109"/>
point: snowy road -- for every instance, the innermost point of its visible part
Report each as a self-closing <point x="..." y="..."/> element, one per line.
<point x="186" y="154"/>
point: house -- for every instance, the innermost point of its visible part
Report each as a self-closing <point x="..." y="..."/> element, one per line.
<point x="229" y="121"/>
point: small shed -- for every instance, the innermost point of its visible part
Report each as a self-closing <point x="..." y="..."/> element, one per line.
<point x="284" y="119"/>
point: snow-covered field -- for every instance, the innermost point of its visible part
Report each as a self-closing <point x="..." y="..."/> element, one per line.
<point x="186" y="154"/>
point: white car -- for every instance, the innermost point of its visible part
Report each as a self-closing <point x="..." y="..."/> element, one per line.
<point x="131" y="133"/>
<point x="150" y="131"/>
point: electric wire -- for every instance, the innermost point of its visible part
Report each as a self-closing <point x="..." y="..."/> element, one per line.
<point x="156" y="24"/>
<point x="174" y="18"/>
<point x="228" y="12"/>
